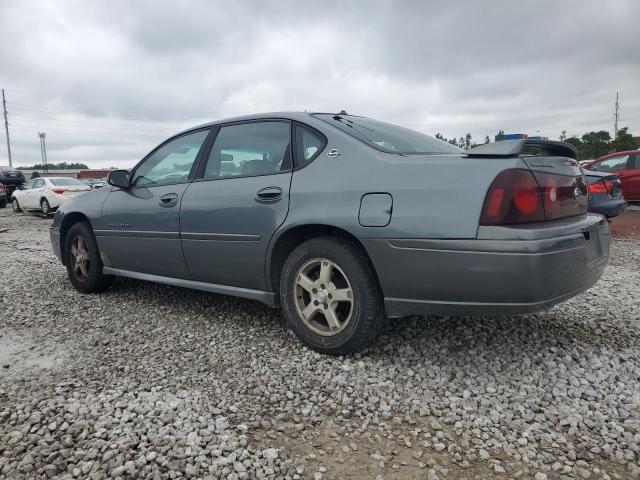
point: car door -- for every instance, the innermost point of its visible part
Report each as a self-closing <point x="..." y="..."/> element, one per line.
<point x="632" y="178"/>
<point x="24" y="194"/>
<point x="229" y="214"/>
<point x="35" y="194"/>
<point x="138" y="229"/>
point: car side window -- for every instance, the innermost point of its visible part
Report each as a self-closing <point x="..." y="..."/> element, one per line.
<point x="28" y="185"/>
<point x="250" y="149"/>
<point x="635" y="163"/>
<point x="171" y="163"/>
<point x="308" y="145"/>
<point x="39" y="183"/>
<point x="612" y="164"/>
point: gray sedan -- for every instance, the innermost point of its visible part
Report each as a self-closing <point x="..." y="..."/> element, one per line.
<point x="342" y="221"/>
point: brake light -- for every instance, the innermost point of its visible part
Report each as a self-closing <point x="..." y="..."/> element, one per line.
<point x="601" y="187"/>
<point x="58" y="190"/>
<point x="513" y="197"/>
<point x="522" y="196"/>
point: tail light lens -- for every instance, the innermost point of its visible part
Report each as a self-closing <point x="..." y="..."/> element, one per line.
<point x="58" y="190"/>
<point x="601" y="187"/>
<point x="522" y="196"/>
<point x="513" y="198"/>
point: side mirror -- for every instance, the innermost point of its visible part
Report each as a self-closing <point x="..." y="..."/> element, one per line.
<point x="119" y="178"/>
<point x="21" y="187"/>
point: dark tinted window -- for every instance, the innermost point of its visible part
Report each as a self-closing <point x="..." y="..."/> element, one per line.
<point x="635" y="164"/>
<point x="65" y="182"/>
<point x="389" y="137"/>
<point x="308" y="145"/>
<point x="172" y="162"/>
<point x="248" y="149"/>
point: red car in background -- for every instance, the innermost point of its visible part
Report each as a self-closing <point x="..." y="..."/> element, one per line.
<point x="624" y="164"/>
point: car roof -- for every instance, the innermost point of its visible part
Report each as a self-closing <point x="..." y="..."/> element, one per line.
<point x="256" y="116"/>
<point x="613" y="154"/>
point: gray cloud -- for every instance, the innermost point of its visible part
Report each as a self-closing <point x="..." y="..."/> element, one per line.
<point x="109" y="80"/>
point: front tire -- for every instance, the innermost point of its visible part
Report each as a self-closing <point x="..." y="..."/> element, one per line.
<point x="330" y="297"/>
<point x="45" y="207"/>
<point x="15" y="205"/>
<point x="82" y="260"/>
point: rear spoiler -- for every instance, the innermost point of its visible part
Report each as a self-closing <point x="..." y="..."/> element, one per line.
<point x="514" y="148"/>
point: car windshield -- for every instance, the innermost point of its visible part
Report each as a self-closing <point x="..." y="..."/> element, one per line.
<point x="388" y="137"/>
<point x="65" y="182"/>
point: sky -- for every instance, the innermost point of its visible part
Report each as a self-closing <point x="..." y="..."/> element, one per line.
<point x="109" y="80"/>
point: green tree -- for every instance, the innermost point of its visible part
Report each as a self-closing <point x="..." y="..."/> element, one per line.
<point x="595" y="144"/>
<point x="487" y="139"/>
<point x="563" y="136"/>
<point x="624" y="141"/>
<point x="467" y="141"/>
<point x="35" y="175"/>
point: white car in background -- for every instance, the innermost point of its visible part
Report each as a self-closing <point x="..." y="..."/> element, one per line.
<point x="46" y="194"/>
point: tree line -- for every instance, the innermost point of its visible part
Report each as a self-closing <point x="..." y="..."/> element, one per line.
<point x="59" y="166"/>
<point x="590" y="145"/>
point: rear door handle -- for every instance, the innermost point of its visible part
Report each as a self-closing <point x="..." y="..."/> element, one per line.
<point x="269" y="194"/>
<point x="169" y="200"/>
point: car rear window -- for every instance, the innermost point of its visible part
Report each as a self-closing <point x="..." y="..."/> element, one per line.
<point x="65" y="182"/>
<point x="388" y="137"/>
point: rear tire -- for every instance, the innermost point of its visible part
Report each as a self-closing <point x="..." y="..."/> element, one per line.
<point x="82" y="259"/>
<point x="336" y="312"/>
<point x="45" y="207"/>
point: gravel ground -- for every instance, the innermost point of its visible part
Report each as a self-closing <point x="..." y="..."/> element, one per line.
<point x="150" y="381"/>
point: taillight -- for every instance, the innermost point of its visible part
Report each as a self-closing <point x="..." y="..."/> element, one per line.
<point x="601" y="187"/>
<point x="521" y="196"/>
<point x="58" y="190"/>
<point x="513" y="197"/>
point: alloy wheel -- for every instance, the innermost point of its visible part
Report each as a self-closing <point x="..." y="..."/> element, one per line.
<point x="80" y="257"/>
<point x="15" y="205"/>
<point x="323" y="297"/>
<point x="44" y="206"/>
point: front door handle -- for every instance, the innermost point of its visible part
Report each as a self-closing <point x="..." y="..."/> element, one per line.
<point x="169" y="200"/>
<point x="269" y="194"/>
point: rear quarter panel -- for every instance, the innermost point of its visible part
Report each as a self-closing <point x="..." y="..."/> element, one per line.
<point x="438" y="196"/>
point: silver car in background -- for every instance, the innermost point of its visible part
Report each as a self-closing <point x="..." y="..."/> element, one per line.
<point x="342" y="221"/>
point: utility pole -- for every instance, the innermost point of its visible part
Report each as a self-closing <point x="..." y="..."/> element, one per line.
<point x="43" y="150"/>
<point x="616" y="117"/>
<point x="6" y="127"/>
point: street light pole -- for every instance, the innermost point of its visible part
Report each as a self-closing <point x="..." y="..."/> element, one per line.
<point x="6" y="127"/>
<point x="43" y="150"/>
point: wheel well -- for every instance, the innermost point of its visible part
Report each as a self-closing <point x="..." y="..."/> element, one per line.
<point x="69" y="220"/>
<point x="289" y="240"/>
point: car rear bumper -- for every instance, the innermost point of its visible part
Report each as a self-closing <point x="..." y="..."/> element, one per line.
<point x="505" y="271"/>
<point x="609" y="207"/>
